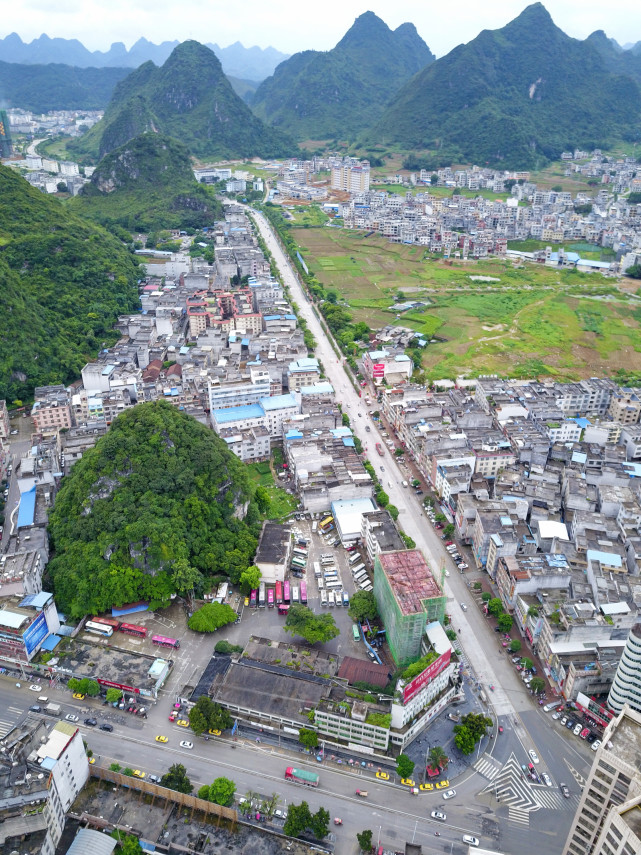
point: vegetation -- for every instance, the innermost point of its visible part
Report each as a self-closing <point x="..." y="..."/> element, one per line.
<point x="220" y="791"/>
<point x="495" y="606"/>
<point x="308" y="738"/>
<point x="301" y="820"/>
<point x="404" y="766"/>
<point x="211" y="616"/>
<point x="64" y="284"/>
<point x="127" y="844"/>
<point x="313" y="93"/>
<point x="504" y="622"/>
<point x="312" y="627"/>
<point x="515" y="645"/>
<point x="113" y="695"/>
<point x="158" y="487"/>
<point x="226" y="648"/>
<point x="84" y="686"/>
<point x="188" y="98"/>
<point x="419" y="666"/>
<point x="363" y="606"/>
<point x="208" y="715"/>
<point x="513" y="97"/>
<point x="176" y="779"/>
<point x="437" y="758"/>
<point x="145" y="185"/>
<point x="57" y="87"/>
<point x="537" y="685"/>
<point x="250" y="579"/>
<point x="472" y="728"/>
<point x="364" y="840"/>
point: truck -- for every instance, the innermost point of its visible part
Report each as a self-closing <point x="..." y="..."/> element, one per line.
<point x="301" y="776"/>
<point x="53" y="709"/>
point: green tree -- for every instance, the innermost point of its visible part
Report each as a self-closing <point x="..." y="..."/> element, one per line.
<point x="113" y="695"/>
<point x="477" y="724"/>
<point x="197" y="721"/>
<point x="537" y="685"/>
<point x="393" y="512"/>
<point x="263" y="499"/>
<point x="526" y="663"/>
<point x="222" y="791"/>
<point x="495" y="607"/>
<point x="127" y="844"/>
<point x="404" y="766"/>
<point x="363" y="606"/>
<point x="440" y="517"/>
<point x="203" y="792"/>
<point x="250" y="579"/>
<point x="451" y="634"/>
<point x="307" y="737"/>
<point x="448" y="531"/>
<point x="515" y="645"/>
<point x="115" y="767"/>
<point x="211" y="616"/>
<point x="634" y="271"/>
<point x="61" y="187"/>
<point x="463" y="739"/>
<point x="505" y="622"/>
<point x="216" y="717"/>
<point x="298" y="820"/>
<point x="185" y="578"/>
<point x="533" y="611"/>
<point x="399" y="452"/>
<point x="437" y="757"/>
<point x="486" y="597"/>
<point x="128" y="771"/>
<point x="176" y="779"/>
<point x="364" y="840"/>
<point x="312" y="627"/>
<point x="320" y="823"/>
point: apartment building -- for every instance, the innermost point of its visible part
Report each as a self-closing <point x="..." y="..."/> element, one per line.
<point x="51" y="408"/>
<point x="626" y="686"/>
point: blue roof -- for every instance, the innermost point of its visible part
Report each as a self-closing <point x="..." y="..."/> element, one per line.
<point x="293" y="434"/>
<point x="323" y="388"/>
<point x="51" y="642"/>
<point x="232" y="414"/>
<point x="611" y="558"/>
<point x="130" y="609"/>
<point x="582" y="422"/>
<point x="36" y="601"/>
<point x="27" y="510"/>
<point x="277" y="402"/>
<point x="349" y="441"/>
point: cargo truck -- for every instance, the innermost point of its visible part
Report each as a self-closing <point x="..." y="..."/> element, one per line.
<point x="53" y="709"/>
<point x="301" y="776"/>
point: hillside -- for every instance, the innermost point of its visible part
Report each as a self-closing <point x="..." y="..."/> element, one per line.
<point x="338" y="93"/>
<point x="145" y="185"/>
<point x="157" y="488"/>
<point x="57" y="87"/>
<point x="513" y="97"/>
<point x="188" y="98"/>
<point x="252" y="63"/>
<point x="63" y="283"/>
<point x="614" y="57"/>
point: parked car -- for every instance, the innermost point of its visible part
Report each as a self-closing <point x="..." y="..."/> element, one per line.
<point x="90" y="722"/>
<point x="584" y="733"/>
<point x="570" y="724"/>
<point x="596" y="744"/>
<point x="534" y="756"/>
<point x="546" y="779"/>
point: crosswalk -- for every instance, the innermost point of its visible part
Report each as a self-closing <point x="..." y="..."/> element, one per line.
<point x="488" y="767"/>
<point x="6" y="724"/>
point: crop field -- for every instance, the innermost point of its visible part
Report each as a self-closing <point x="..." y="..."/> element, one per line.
<point x="522" y="321"/>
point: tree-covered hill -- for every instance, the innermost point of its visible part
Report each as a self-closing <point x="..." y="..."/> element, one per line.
<point x="339" y="93"/>
<point x="188" y="98"/>
<point x="145" y="185"/>
<point x="158" y="498"/>
<point x="57" y="87"/>
<point x="63" y="283"/>
<point x="513" y="97"/>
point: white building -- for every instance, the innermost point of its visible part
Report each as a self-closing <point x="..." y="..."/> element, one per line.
<point x="626" y="686"/>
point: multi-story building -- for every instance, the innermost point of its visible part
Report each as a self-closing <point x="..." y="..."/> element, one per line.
<point x="408" y="597"/>
<point x="614" y="779"/>
<point x="351" y="175"/>
<point x="51" y="409"/>
<point x="303" y="372"/>
<point x="625" y="406"/>
<point x="626" y="686"/>
<point x="379" y="534"/>
<point x="25" y="624"/>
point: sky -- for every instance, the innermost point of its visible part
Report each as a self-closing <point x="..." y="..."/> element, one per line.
<point x="291" y="26"/>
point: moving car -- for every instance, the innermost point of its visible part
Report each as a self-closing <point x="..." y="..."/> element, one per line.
<point x="383" y="776"/>
<point x="185" y="744"/>
<point x="108" y="727"/>
<point x="464" y="607"/>
<point x="449" y="794"/>
<point x="470" y="840"/>
<point x="90" y="722"/>
<point x="161" y="739"/>
<point x="533" y="755"/>
<point x="35" y="688"/>
<point x="546" y="779"/>
<point x="565" y="791"/>
<point x="438" y="814"/>
<point x="35" y="708"/>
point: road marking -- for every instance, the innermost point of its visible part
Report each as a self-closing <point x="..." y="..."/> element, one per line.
<point x="487" y="768"/>
<point x="522" y="817"/>
<point x="578" y="777"/>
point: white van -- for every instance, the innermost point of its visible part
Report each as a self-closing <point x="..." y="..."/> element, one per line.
<point x="314" y="526"/>
<point x="547" y="708"/>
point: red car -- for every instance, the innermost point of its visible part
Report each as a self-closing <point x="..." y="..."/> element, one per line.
<point x="172" y="717"/>
<point x="585" y="733"/>
<point x="448" y="543"/>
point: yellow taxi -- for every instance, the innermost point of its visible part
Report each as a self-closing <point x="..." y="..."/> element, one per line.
<point x="441" y="785"/>
<point x="138" y="774"/>
<point x="426" y="788"/>
<point x="92" y="760"/>
<point x="408" y="782"/>
<point x="214" y="732"/>
<point x="78" y="696"/>
<point x="161" y="739"/>
<point x="182" y="723"/>
<point x="246" y="601"/>
<point x="383" y="776"/>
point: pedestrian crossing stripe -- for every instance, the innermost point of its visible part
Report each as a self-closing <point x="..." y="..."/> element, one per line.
<point x="518" y="815"/>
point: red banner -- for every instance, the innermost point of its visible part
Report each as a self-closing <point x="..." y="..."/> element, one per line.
<point x="111" y="685"/>
<point x="426" y="676"/>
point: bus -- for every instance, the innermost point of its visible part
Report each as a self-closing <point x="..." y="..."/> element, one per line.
<point x="317" y="569"/>
<point x="114" y="624"/>
<point x="299" y="562"/>
<point x="162" y="641"/>
<point x="286" y="587"/>
<point x="356" y="632"/>
<point x="354" y="559"/>
<point x="283" y="609"/>
<point x="314" y="526"/>
<point x="345" y="599"/>
<point x="261" y="596"/>
<point x="330" y="598"/>
<point x="253" y="598"/>
<point x="303" y="593"/>
<point x="298" y="550"/>
<point x="323" y="598"/>
<point x="325" y="562"/>
<point x="362" y="574"/>
<point x="321" y="584"/>
<point x="132" y="629"/>
<point x="295" y="594"/>
<point x="332" y="584"/>
<point x="327" y="524"/>
<point x="365" y="586"/>
<point x="270" y="598"/>
<point x="99" y="628"/>
<point x="279" y="593"/>
<point x="358" y="568"/>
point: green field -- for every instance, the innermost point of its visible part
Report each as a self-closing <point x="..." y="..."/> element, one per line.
<point x="534" y="321"/>
<point x="282" y="502"/>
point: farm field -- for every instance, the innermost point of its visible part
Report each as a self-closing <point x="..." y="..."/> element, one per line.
<point x="526" y="321"/>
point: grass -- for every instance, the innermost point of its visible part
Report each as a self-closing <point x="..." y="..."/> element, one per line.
<point x="533" y="321"/>
<point x="282" y="503"/>
<point x="55" y="148"/>
<point x="306" y="215"/>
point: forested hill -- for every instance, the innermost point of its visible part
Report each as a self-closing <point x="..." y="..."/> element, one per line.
<point x="145" y="185"/>
<point x="513" y="97"/>
<point x="337" y="93"/>
<point x="188" y="98"/>
<point x="57" y="87"/>
<point x="159" y="500"/>
<point x="63" y="283"/>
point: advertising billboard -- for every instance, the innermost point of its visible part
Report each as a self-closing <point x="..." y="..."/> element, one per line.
<point x="35" y="634"/>
<point x="594" y="710"/>
<point x="378" y="369"/>
<point x="111" y="685"/>
<point x="430" y="673"/>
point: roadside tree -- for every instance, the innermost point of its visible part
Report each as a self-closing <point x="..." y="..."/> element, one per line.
<point x="211" y="616"/>
<point x="363" y="606"/>
<point x="312" y="627"/>
<point x="250" y="579"/>
<point x="495" y="607"/>
<point x="463" y="739"/>
<point x="404" y="766"/>
<point x="537" y="685"/>
<point x="364" y="840"/>
<point x="307" y="737"/>
<point x="505" y="622"/>
<point x="176" y="779"/>
<point x="515" y="645"/>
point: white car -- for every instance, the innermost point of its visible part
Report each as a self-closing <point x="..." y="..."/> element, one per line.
<point x="35" y="688"/>
<point x="462" y="566"/>
<point x="449" y="794"/>
<point x="534" y="757"/>
<point x="185" y="744"/>
<point x="71" y="717"/>
<point x="577" y="730"/>
<point x="546" y="779"/>
<point x="438" y="814"/>
<point x="596" y="744"/>
<point x="471" y="841"/>
<point x="447" y="572"/>
<point x="464" y="607"/>
<point x="556" y="716"/>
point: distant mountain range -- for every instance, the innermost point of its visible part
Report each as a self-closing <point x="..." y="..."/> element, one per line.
<point x="252" y="63"/>
<point x="337" y="93"/>
<point x="514" y="97"/>
<point x="190" y="99"/>
<point x="57" y="87"/>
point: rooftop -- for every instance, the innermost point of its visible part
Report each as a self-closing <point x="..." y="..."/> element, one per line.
<point x="273" y="543"/>
<point x="410" y="578"/>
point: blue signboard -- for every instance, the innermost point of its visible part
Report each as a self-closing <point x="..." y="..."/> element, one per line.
<point x="35" y="633"/>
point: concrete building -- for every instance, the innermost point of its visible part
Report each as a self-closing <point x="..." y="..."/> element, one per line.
<point x="626" y="686"/>
<point x="614" y="779"/>
<point x="273" y="552"/>
<point x="25" y="623"/>
<point x="51" y="408"/>
<point x="408" y="597"/>
<point x="351" y="175"/>
<point x="249" y="444"/>
<point x="379" y="534"/>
